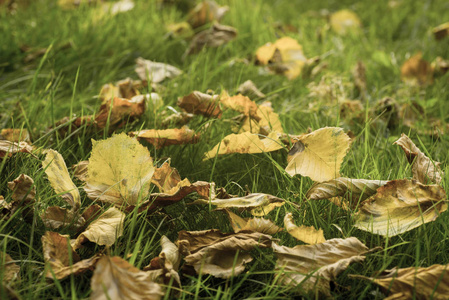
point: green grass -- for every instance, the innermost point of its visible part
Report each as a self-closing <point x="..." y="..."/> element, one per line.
<point x="64" y="82"/>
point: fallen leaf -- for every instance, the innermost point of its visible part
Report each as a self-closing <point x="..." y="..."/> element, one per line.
<point x="7" y="148"/>
<point x="56" y="217"/>
<point x="353" y="190"/>
<point x="417" y="71"/>
<point x="9" y="270"/>
<point x="308" y="235"/>
<point x="219" y="254"/>
<point x="252" y="224"/>
<point x="240" y="104"/>
<point x="344" y="21"/>
<point x="206" y="12"/>
<point x="319" y="154"/>
<point x="351" y="109"/>
<point x="115" y="278"/>
<point x="61" y="260"/>
<point x="166" y="137"/>
<point x="259" y="204"/>
<point x="126" y="88"/>
<point x="166" y="178"/>
<point x="441" y="31"/>
<point x="440" y="66"/>
<point x="201" y="104"/>
<point x="59" y="177"/>
<point x="23" y="194"/>
<point x="310" y="268"/>
<point x="104" y="230"/>
<point x="423" y="168"/>
<point x="215" y="36"/>
<point x="117" y="110"/>
<point x="177" y="120"/>
<point x="120" y="170"/>
<point x="80" y="170"/>
<point x="180" y="30"/>
<point x="245" y="143"/>
<point x="15" y="135"/>
<point x="248" y="88"/>
<point x="359" y="75"/>
<point x="155" y="71"/>
<point x="413" y="283"/>
<point x="400" y="206"/>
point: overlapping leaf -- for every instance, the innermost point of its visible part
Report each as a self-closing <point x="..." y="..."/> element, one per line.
<point x="161" y="138"/>
<point x="252" y="224"/>
<point x="306" y="234"/>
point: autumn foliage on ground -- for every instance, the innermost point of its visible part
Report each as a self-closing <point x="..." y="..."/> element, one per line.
<point x="229" y="149"/>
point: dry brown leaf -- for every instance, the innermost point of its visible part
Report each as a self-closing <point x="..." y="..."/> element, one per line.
<point x="400" y="206"/>
<point x="7" y="148"/>
<point x="240" y="104"/>
<point x="285" y="56"/>
<point x="215" y="36"/>
<point x="61" y="260"/>
<point x="117" y="111"/>
<point x="441" y="31"/>
<point x="167" y="137"/>
<point x="308" y="235"/>
<point x="126" y="88"/>
<point x="105" y="230"/>
<point x="269" y="121"/>
<point x="245" y="143"/>
<point x="319" y="154"/>
<point x="344" y="21"/>
<point x="120" y="170"/>
<point x="219" y="254"/>
<point x="252" y="224"/>
<point x="310" y="268"/>
<point x="423" y="168"/>
<point x="440" y="66"/>
<point x="15" y="135"/>
<point x="353" y="190"/>
<point x="206" y="12"/>
<point x="115" y="278"/>
<point x="417" y="71"/>
<point x="155" y="71"/>
<point x="414" y="283"/>
<point x="24" y="192"/>
<point x="166" y="178"/>
<point x="59" y="177"/>
<point x="56" y="217"/>
<point x="248" y="88"/>
<point x="9" y="270"/>
<point x="259" y="204"/>
<point x="177" y="119"/>
<point x="80" y="170"/>
<point x="201" y="104"/>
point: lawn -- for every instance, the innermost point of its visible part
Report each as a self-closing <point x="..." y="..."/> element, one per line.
<point x="55" y="60"/>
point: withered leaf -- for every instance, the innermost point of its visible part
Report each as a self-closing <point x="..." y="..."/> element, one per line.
<point x="115" y="278"/>
<point x="310" y="268"/>
<point x="417" y="71"/>
<point x="248" y="88"/>
<point x="167" y="137"/>
<point x="178" y="119"/>
<point x="306" y="234"/>
<point x="201" y="104"/>
<point x="15" y="135"/>
<point x="55" y="217"/>
<point x="24" y="192"/>
<point x="218" y="254"/>
<point x="423" y="168"/>
<point x="414" y="283"/>
<point x="166" y="177"/>
<point x="116" y="111"/>
<point x="181" y="30"/>
<point x="215" y="36"/>
<point x="60" y="259"/>
<point x="155" y="71"/>
<point x="120" y="170"/>
<point x="80" y="170"/>
<point x="268" y="121"/>
<point x="344" y="21"/>
<point x="9" y="270"/>
<point x="440" y="66"/>
<point x="400" y="206"/>
<point x="441" y="31"/>
<point x="126" y="88"/>
<point x="205" y="12"/>
<point x="240" y="104"/>
<point x="7" y="148"/>
<point x="252" y="224"/>
<point x="319" y="154"/>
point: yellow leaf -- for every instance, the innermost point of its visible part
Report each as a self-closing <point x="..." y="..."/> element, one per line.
<point x="215" y="36"/>
<point x="252" y="224"/>
<point x="441" y="31"/>
<point x="205" y="12"/>
<point x="344" y="21"/>
<point x="15" y="135"/>
<point x="201" y="104"/>
<point x="417" y="71"/>
<point x="308" y="235"/>
<point x="240" y="104"/>
<point x="166" y="137"/>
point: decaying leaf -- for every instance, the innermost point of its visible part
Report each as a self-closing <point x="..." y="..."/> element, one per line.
<point x="115" y="278"/>
<point x="245" y="143"/>
<point x="116" y="110"/>
<point x="206" y="12"/>
<point x="55" y="217"/>
<point x="423" y="168"/>
<point x="120" y="170"/>
<point x="285" y="56"/>
<point x="15" y="135"/>
<point x="252" y="224"/>
<point x="248" y="88"/>
<point x="441" y="31"/>
<point x="306" y="234"/>
<point x="414" y="283"/>
<point x="126" y="88"/>
<point x="268" y="121"/>
<point x="201" y="104"/>
<point x="417" y="71"/>
<point x="215" y="36"/>
<point x="319" y="154"/>
<point x="155" y="71"/>
<point x="166" y="178"/>
<point x="23" y="194"/>
<point x="9" y="270"/>
<point x="353" y="190"/>
<point x="310" y="268"/>
<point x="344" y="21"/>
<point x="167" y="137"/>
<point x="7" y="148"/>
<point x="440" y="66"/>
<point x="400" y="206"/>
<point x="240" y="104"/>
<point x="219" y="254"/>
<point x="59" y="177"/>
<point x="177" y="119"/>
<point x="104" y="230"/>
<point x="80" y="170"/>
<point x="259" y="204"/>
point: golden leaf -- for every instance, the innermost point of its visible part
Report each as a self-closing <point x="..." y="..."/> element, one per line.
<point x="166" y="178"/>
<point x="319" y="154"/>
<point x="80" y="170"/>
<point x="344" y="21"/>
<point x="126" y="88"/>
<point x="205" y="12"/>
<point x="120" y="170"/>
<point x="240" y="104"/>
<point x="167" y="137"/>
<point x="201" y="104"/>
<point x="417" y="71"/>
<point x="252" y="224"/>
<point x="308" y="235"/>
<point x="15" y="135"/>
<point x="400" y="206"/>
<point x="117" y="110"/>
<point x="55" y="217"/>
<point x="155" y="71"/>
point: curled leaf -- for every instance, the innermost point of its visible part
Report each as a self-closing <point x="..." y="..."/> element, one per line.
<point x="201" y="104"/>
<point x="417" y="71"/>
<point x="248" y="88"/>
<point x="24" y="192"/>
<point x="241" y="104"/>
<point x="56" y="217"/>
<point x="9" y="270"/>
<point x="252" y="224"/>
<point x="167" y="137"/>
<point x="344" y="21"/>
<point x="205" y="12"/>
<point x="155" y="71"/>
<point x="216" y="36"/>
<point x="80" y="170"/>
<point x="166" y="177"/>
<point x="7" y="148"/>
<point x="15" y="135"/>
<point x="116" y="111"/>
<point x="308" y="235"/>
<point x="441" y="31"/>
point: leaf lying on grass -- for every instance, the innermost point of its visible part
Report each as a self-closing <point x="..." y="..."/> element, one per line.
<point x="441" y="31"/>
<point x="219" y="254"/>
<point x="80" y="170"/>
<point x="248" y="88"/>
<point x="155" y="71"/>
<point x="400" y="206"/>
<point x="344" y="21"/>
<point x="115" y="278"/>
<point x="423" y="168"/>
<point x="7" y="148"/>
<point x="205" y="12"/>
<point x="306" y="234"/>
<point x="126" y="88"/>
<point x="240" y="104"/>
<point x="252" y="224"/>
<point x="9" y="270"/>
<point x="319" y="154"/>
<point x="15" y="135"/>
<point x="23" y="194"/>
<point x="167" y="137"/>
<point x="120" y="170"/>
<point x="417" y="71"/>
<point x="166" y="178"/>
<point x="268" y="121"/>
<point x="310" y="268"/>
<point x="216" y="36"/>
<point x="56" y="217"/>
<point x="201" y="104"/>
<point x="117" y="111"/>
<point x="413" y="283"/>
